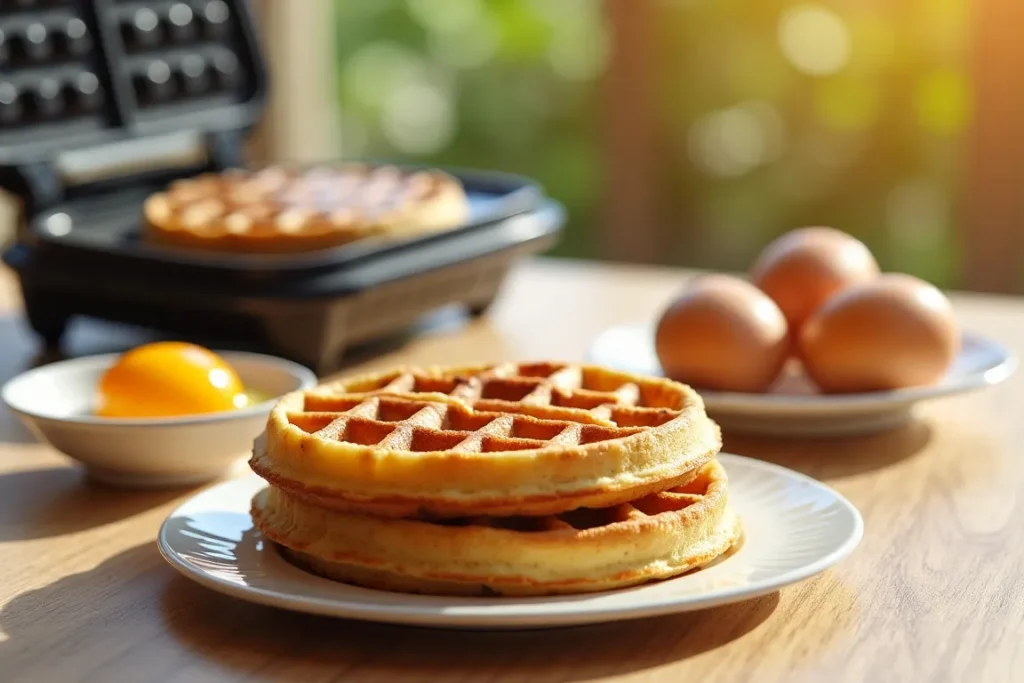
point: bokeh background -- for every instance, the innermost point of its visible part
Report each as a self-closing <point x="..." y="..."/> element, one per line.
<point x="691" y="132"/>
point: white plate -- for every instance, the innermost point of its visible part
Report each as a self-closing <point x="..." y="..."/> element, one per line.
<point x="793" y="407"/>
<point x="794" y="526"/>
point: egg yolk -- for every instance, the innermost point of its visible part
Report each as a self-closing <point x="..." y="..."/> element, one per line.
<point x="167" y="379"/>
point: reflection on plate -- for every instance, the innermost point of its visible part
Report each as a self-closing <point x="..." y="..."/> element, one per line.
<point x="794" y="528"/>
<point x="794" y="407"/>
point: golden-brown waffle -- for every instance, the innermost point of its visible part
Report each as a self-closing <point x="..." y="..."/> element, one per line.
<point x="658" y="536"/>
<point x="510" y="439"/>
<point x="282" y="210"/>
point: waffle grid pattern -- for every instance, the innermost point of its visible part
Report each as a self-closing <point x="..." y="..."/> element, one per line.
<point x="517" y="478"/>
<point x="350" y="199"/>
<point x="509" y="408"/>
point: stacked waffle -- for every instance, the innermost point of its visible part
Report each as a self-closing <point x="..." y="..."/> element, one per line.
<point x="513" y="479"/>
<point x="281" y="210"/>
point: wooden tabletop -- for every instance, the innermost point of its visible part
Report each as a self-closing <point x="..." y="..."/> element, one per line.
<point x="935" y="592"/>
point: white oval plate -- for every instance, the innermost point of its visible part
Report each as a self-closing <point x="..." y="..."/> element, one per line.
<point x="792" y="407"/>
<point x="794" y="527"/>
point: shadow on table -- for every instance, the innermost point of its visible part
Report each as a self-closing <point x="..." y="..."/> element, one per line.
<point x="104" y="624"/>
<point x="225" y="630"/>
<point x="63" y="630"/>
<point x="60" y="500"/>
<point x="831" y="458"/>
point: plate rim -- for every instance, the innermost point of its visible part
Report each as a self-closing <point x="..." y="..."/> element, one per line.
<point x="491" y="615"/>
<point x="837" y="404"/>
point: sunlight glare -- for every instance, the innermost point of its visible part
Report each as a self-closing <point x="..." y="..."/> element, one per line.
<point x="814" y="39"/>
<point x="418" y="118"/>
<point x="733" y="141"/>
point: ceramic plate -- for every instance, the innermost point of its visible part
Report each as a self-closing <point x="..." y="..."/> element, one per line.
<point x="794" y="408"/>
<point x="794" y="528"/>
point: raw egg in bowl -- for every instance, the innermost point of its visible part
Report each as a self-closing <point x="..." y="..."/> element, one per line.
<point x="169" y="379"/>
<point x="162" y="414"/>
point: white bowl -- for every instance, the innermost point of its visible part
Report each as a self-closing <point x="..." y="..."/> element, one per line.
<point x="56" y="402"/>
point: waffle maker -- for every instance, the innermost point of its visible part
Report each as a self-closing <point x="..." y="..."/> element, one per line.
<point x="103" y="102"/>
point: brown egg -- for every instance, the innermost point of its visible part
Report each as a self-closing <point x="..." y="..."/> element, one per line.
<point x="896" y="331"/>
<point x="803" y="268"/>
<point x="724" y="334"/>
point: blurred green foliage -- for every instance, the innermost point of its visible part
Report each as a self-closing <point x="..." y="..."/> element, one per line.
<point x="509" y="108"/>
<point x="770" y="115"/>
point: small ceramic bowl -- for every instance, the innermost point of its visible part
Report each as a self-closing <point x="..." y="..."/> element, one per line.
<point x="56" y="402"/>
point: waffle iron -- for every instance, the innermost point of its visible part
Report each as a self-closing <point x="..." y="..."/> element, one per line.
<point x="103" y="102"/>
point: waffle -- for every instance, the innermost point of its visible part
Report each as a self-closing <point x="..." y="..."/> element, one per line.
<point x="279" y="210"/>
<point x="511" y="439"/>
<point x="656" y="537"/>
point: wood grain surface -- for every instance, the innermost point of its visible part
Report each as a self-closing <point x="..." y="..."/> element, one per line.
<point x="935" y="592"/>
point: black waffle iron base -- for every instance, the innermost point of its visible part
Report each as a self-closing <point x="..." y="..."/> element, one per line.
<point x="103" y="103"/>
<point x="310" y="313"/>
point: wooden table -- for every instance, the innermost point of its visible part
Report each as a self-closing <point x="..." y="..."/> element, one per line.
<point x="935" y="592"/>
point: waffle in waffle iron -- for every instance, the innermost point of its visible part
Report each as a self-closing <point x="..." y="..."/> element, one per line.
<point x="282" y="210"/>
<point x="496" y="440"/>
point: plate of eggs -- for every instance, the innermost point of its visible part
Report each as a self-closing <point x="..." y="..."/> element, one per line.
<point x="814" y="341"/>
<point x="164" y="414"/>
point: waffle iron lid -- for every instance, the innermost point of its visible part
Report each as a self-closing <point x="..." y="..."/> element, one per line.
<point x="97" y="89"/>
